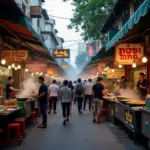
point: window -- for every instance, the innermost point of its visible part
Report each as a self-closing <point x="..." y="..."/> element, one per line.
<point x="126" y="15"/>
<point x="137" y="4"/>
<point x="38" y="22"/>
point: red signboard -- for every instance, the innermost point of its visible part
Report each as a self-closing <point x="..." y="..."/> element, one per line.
<point x="126" y="54"/>
<point x="50" y="71"/>
<point x="90" y="50"/>
<point x="36" y="66"/>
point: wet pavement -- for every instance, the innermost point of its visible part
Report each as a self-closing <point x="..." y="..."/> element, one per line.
<point x="79" y="134"/>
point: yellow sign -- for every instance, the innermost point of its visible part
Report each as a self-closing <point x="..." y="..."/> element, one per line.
<point x="115" y="73"/>
<point x="126" y="54"/>
<point x="129" y="117"/>
<point x="14" y="55"/>
<point x="63" y="53"/>
<point x="65" y="66"/>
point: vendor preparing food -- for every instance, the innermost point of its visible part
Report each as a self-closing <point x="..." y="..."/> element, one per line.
<point x="117" y="87"/>
<point x="10" y="90"/>
<point x="142" y="86"/>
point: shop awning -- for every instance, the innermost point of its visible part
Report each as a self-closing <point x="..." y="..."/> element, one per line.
<point x="12" y="18"/>
<point x="141" y="12"/>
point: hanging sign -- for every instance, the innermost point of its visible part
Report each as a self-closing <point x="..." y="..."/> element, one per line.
<point x="50" y="71"/>
<point x="61" y="53"/>
<point x="36" y="66"/>
<point x="126" y="54"/>
<point x="65" y="66"/>
<point x="115" y="73"/>
<point x="90" y="50"/>
<point x="14" y="55"/>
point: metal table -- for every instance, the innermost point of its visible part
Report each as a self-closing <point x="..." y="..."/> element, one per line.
<point x="146" y="123"/>
<point x="6" y="118"/>
<point x="110" y="105"/>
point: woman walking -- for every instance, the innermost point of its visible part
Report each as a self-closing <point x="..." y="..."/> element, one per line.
<point x="65" y="97"/>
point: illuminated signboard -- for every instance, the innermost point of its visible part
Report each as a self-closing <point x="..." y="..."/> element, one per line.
<point x="14" y="55"/>
<point x="126" y="54"/>
<point x="61" y="53"/>
<point x="115" y="73"/>
<point x="65" y="66"/>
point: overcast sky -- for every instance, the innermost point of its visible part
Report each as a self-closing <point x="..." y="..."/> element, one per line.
<point x="64" y="9"/>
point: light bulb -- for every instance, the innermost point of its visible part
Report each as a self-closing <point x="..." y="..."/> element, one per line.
<point x="19" y="67"/>
<point x="32" y="74"/>
<point x="26" y="70"/>
<point x="105" y="72"/>
<point x="97" y="73"/>
<point x="16" y="68"/>
<point x="105" y="69"/>
<point x="13" y="65"/>
<point x="113" y="70"/>
<point x="9" y="67"/>
<point x="119" y="66"/>
<point x="37" y="73"/>
<point x="134" y="65"/>
<point x="144" y="59"/>
<point x="3" y="61"/>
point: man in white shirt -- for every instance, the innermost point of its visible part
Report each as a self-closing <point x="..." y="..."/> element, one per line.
<point x="53" y="96"/>
<point x="88" y="93"/>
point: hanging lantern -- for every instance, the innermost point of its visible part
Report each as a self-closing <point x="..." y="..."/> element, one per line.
<point x="19" y="67"/>
<point x="9" y="67"/>
<point x="13" y="65"/>
<point x="134" y="65"/>
<point x="144" y="59"/>
<point x="3" y="61"/>
<point x="26" y="70"/>
<point x="120" y="66"/>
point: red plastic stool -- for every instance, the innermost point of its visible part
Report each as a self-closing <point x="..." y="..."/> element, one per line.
<point x="33" y="117"/>
<point x="104" y="114"/>
<point x="2" y="143"/>
<point x="38" y="112"/>
<point x="21" y="121"/>
<point x="15" y="126"/>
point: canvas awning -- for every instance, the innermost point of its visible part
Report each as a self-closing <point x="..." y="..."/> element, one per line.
<point x="13" y="19"/>
<point x="141" y="12"/>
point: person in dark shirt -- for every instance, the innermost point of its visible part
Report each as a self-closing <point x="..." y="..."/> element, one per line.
<point x="10" y="90"/>
<point x="98" y="91"/>
<point x="142" y="86"/>
<point x="43" y="90"/>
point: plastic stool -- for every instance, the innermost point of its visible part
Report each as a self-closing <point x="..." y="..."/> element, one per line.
<point x="104" y="113"/>
<point x="33" y="117"/>
<point x="21" y="121"/>
<point x="15" y="126"/>
<point x="38" y="112"/>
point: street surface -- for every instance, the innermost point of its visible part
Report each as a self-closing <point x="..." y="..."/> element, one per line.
<point x="79" y="134"/>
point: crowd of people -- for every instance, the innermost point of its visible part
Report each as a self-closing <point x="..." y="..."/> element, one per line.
<point x="78" y="92"/>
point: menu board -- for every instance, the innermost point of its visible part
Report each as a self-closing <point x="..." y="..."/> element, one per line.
<point x="36" y="66"/>
<point x="115" y="73"/>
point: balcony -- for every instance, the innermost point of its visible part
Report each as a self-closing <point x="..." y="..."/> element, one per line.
<point x="35" y="11"/>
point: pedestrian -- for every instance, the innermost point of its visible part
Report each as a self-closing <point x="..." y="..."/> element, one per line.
<point x="88" y="93"/>
<point x="65" y="97"/>
<point x="99" y="91"/>
<point x="42" y="97"/>
<point x="53" y="93"/>
<point x="74" y="85"/>
<point x="79" y="94"/>
<point x="70" y="85"/>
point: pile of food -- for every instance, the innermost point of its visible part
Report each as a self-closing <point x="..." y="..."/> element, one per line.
<point x="11" y="103"/>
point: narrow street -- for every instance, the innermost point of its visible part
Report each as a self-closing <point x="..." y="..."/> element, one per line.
<point x="79" y="134"/>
